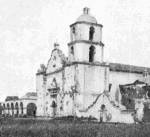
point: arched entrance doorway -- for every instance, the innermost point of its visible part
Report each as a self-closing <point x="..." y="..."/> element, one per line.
<point x="31" y="109"/>
<point x="54" y="108"/>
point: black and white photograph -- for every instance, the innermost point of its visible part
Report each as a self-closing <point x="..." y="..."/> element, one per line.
<point x="72" y="68"/>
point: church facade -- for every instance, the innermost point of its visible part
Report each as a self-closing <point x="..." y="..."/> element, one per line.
<point x="82" y="84"/>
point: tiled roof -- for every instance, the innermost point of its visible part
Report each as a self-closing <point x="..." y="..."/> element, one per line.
<point x="128" y="68"/>
<point x="30" y="95"/>
<point x="10" y="98"/>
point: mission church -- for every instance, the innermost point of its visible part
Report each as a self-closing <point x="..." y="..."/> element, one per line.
<point x="84" y="85"/>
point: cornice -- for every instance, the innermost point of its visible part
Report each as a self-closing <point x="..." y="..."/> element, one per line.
<point x="88" y="23"/>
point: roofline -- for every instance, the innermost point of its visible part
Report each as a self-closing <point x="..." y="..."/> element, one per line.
<point x="79" y="62"/>
<point x="89" y="23"/>
<point x="19" y="100"/>
<point x="131" y="68"/>
<point x="27" y="99"/>
<point x="41" y="73"/>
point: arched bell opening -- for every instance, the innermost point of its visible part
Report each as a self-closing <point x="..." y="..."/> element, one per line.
<point x="91" y="53"/>
<point x="91" y="33"/>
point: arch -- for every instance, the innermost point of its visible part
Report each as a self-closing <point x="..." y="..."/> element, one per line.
<point x="54" y="104"/>
<point x="103" y="107"/>
<point x="21" y="107"/>
<point x="72" y="50"/>
<point x="91" y="53"/>
<point x="73" y="30"/>
<point x="8" y="107"/>
<point x="1" y="109"/>
<point x="54" y="108"/>
<point x="4" y="106"/>
<point x="31" y="109"/>
<point x="17" y="108"/>
<point x="12" y="108"/>
<point x="91" y="33"/>
<point x="102" y="112"/>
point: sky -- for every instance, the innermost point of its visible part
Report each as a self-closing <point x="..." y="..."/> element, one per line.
<point x="29" y="28"/>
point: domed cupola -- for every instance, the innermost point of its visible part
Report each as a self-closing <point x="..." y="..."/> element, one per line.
<point x="86" y="17"/>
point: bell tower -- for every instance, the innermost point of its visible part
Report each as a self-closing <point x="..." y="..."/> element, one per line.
<point x="86" y="39"/>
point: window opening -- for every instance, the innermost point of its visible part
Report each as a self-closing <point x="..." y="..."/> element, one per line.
<point x="72" y="50"/>
<point x="91" y="53"/>
<point x="73" y="30"/>
<point x="91" y="33"/>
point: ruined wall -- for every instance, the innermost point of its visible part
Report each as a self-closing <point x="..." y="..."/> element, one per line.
<point x="116" y="78"/>
<point x="65" y="81"/>
<point x="53" y="81"/>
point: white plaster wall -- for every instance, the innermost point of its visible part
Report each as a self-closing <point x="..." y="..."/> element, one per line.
<point x="40" y="89"/>
<point x="68" y="105"/>
<point x="82" y="32"/>
<point x="116" y="78"/>
<point x="91" y="78"/>
<point x="69" y="83"/>
<point x="81" y="52"/>
<point x="69" y="78"/>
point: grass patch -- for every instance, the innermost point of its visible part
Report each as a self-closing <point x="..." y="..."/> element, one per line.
<point x="63" y="128"/>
